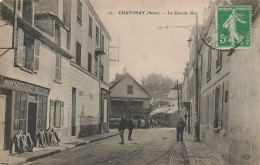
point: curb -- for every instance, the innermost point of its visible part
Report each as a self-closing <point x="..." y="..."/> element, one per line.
<point x="42" y="155"/>
<point x="95" y="140"/>
<point x="65" y="148"/>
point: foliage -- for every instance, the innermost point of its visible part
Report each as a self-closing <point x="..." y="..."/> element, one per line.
<point x="157" y="85"/>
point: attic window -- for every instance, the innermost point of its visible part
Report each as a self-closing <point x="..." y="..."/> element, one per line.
<point x="129" y="89"/>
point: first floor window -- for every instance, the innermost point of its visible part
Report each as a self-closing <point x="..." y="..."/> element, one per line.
<point x="27" y="55"/>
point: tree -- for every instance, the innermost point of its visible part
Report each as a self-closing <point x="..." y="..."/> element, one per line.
<point x="157" y="85"/>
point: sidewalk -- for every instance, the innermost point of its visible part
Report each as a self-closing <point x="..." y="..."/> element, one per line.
<point x="65" y="144"/>
<point x="200" y="154"/>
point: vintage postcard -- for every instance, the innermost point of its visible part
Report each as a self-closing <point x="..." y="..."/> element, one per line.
<point x="130" y="82"/>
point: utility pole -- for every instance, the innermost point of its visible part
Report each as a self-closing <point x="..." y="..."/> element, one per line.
<point x="197" y="123"/>
<point x="197" y="131"/>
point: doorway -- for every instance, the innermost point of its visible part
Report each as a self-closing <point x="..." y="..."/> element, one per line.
<point x="73" y="117"/>
<point x="32" y="112"/>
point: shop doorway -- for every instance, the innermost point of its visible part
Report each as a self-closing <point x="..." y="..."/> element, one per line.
<point x="32" y="112"/>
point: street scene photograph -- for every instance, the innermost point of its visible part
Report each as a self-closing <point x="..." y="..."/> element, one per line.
<point x="134" y="82"/>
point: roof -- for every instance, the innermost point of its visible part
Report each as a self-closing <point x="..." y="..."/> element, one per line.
<point x="121" y="77"/>
<point x="164" y="110"/>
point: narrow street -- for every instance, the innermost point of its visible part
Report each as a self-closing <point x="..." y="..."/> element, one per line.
<point x="149" y="146"/>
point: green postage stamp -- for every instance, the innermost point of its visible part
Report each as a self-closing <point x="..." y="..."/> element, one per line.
<point x="233" y="27"/>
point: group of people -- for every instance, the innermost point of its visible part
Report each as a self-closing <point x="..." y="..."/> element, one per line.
<point x="130" y="125"/>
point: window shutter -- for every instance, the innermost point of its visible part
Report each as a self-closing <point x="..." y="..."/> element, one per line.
<point x="220" y="107"/>
<point x="52" y="103"/>
<point x="18" y="59"/>
<point x="62" y="114"/>
<point x="37" y="45"/>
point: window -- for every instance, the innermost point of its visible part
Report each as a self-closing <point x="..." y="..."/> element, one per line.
<point x="79" y="12"/>
<point x="78" y="54"/>
<point x="27" y="11"/>
<point x="219" y="61"/>
<point x="27" y="53"/>
<point x="56" y="113"/>
<point x="101" y="72"/>
<point x="58" y="68"/>
<point x="226" y="96"/>
<point x="96" y="65"/>
<point x="89" y="62"/>
<point x="209" y="65"/>
<point x="57" y="34"/>
<point x="102" y="42"/>
<point x="129" y="89"/>
<point x="90" y="27"/>
<point x="19" y="4"/>
<point x="97" y="36"/>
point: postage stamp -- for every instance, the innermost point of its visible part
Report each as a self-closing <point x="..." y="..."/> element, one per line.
<point x="233" y="27"/>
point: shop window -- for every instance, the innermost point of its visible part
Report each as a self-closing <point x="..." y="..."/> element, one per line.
<point x="90" y="27"/>
<point x="56" y="113"/>
<point x="27" y="55"/>
<point x="58" y="68"/>
<point x="129" y="89"/>
<point x="97" y="36"/>
<point x="79" y="12"/>
<point x="89" y="62"/>
<point x="78" y="54"/>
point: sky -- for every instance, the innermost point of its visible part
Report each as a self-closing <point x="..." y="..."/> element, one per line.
<point x="144" y="48"/>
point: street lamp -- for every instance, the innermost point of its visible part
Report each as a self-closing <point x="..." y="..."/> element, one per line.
<point x="196" y="127"/>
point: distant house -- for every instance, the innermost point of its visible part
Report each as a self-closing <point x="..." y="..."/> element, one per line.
<point x="168" y="114"/>
<point x="128" y="97"/>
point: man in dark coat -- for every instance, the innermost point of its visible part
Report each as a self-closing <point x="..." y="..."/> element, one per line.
<point x="180" y="128"/>
<point x="130" y="127"/>
<point x="121" y="128"/>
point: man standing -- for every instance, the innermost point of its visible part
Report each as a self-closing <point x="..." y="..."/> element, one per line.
<point x="130" y="127"/>
<point x="180" y="128"/>
<point x="121" y="128"/>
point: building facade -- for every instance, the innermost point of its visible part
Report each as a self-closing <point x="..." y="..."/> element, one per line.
<point x="228" y="92"/>
<point x="44" y="76"/>
<point x="129" y="98"/>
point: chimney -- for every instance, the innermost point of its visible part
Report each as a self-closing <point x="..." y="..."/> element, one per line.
<point x="117" y="76"/>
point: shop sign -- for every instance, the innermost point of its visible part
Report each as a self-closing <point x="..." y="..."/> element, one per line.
<point x="22" y="86"/>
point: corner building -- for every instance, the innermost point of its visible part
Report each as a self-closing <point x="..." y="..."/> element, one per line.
<point x="55" y="74"/>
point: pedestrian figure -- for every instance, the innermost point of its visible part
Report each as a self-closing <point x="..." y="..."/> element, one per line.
<point x="130" y="127"/>
<point x="121" y="128"/>
<point x="180" y="128"/>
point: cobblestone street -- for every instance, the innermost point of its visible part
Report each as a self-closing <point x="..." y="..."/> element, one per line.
<point x="149" y="146"/>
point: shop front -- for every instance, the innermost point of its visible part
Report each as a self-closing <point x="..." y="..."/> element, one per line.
<point x="25" y="108"/>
